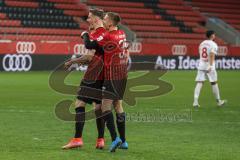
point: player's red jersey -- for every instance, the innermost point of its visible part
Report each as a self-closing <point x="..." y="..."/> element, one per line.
<point x="115" y="55"/>
<point x="115" y="61"/>
<point x="95" y="67"/>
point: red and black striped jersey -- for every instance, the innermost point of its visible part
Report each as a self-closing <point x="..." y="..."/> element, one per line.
<point x="95" y="67"/>
<point x="115" y="55"/>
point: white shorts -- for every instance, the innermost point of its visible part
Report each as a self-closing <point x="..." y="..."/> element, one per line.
<point x="203" y="75"/>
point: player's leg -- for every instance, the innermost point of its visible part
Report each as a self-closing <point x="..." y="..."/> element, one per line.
<point x="79" y="124"/>
<point x="120" y="118"/>
<point x="109" y="120"/>
<point x="80" y="118"/>
<point x="100" y="126"/>
<point x="121" y="122"/>
<point x="200" y="78"/>
<point x="119" y="86"/>
<point x="212" y="76"/>
<point x="197" y="92"/>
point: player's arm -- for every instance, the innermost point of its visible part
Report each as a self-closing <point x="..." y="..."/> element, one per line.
<point x="126" y="48"/>
<point x="211" y="61"/>
<point x="85" y="59"/>
<point x="212" y="58"/>
<point x="88" y="43"/>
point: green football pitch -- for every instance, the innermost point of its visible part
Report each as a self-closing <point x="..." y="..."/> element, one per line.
<point x="164" y="127"/>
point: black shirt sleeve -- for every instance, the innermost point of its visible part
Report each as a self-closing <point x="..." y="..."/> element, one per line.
<point x="88" y="43"/>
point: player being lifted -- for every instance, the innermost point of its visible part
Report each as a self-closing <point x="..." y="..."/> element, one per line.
<point x="207" y="50"/>
<point x="115" y="74"/>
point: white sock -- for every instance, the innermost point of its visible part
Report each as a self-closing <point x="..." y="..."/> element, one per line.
<point x="216" y="91"/>
<point x="197" y="91"/>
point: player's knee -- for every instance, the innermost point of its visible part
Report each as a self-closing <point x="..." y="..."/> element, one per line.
<point x="96" y="106"/>
<point x="119" y="109"/>
<point x="79" y="103"/>
<point x="106" y="108"/>
<point x="213" y="83"/>
<point x="106" y="105"/>
<point x="200" y="82"/>
<point x="118" y="106"/>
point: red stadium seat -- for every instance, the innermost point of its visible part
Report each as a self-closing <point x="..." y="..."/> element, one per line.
<point x="172" y="41"/>
<point x="189" y="19"/>
<point x="183" y="13"/>
<point x="226" y="10"/>
<point x="154" y="28"/>
<point x="65" y="1"/>
<point x="220" y="10"/>
<point x="145" y="22"/>
<point x="40" y="31"/>
<point x="21" y="4"/>
<point x="176" y="20"/>
<point x="70" y="6"/>
<point x="115" y="3"/>
<point x="176" y="2"/>
<point x="129" y="10"/>
<point x="175" y="7"/>
<point x="10" y="23"/>
<point x="79" y="13"/>
<point x="149" y="24"/>
<point x="38" y="37"/>
<point x="171" y="35"/>
<point x="15" y="15"/>
<point x="140" y="16"/>
<point x="3" y="16"/>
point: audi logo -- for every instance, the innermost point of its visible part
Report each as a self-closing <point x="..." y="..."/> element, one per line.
<point x="25" y="47"/>
<point x="17" y="62"/>
<point x="179" y="49"/>
<point x="222" y="50"/>
<point x="80" y="49"/>
<point x="135" y="47"/>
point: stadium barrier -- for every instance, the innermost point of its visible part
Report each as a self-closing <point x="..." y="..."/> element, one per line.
<point x="26" y="62"/>
<point x="27" y="56"/>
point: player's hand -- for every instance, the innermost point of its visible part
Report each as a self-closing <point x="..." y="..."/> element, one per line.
<point x="84" y="32"/>
<point x="68" y="64"/>
<point x="210" y="68"/>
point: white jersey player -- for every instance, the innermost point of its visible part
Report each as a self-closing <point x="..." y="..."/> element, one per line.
<point x="206" y="69"/>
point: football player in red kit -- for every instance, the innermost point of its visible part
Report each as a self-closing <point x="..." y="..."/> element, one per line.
<point x="91" y="86"/>
<point x="115" y="69"/>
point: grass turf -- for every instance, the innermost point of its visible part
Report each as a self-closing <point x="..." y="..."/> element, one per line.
<point x="29" y="128"/>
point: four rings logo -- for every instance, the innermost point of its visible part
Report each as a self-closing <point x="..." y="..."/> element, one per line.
<point x="25" y="47"/>
<point x="179" y="50"/>
<point x="222" y="50"/>
<point x="80" y="49"/>
<point x="135" y="47"/>
<point x="17" y="62"/>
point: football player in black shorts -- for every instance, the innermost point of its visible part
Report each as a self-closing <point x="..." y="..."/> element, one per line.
<point x="90" y="90"/>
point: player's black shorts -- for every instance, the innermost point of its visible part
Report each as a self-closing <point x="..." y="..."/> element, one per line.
<point x="90" y="91"/>
<point x="114" y="89"/>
